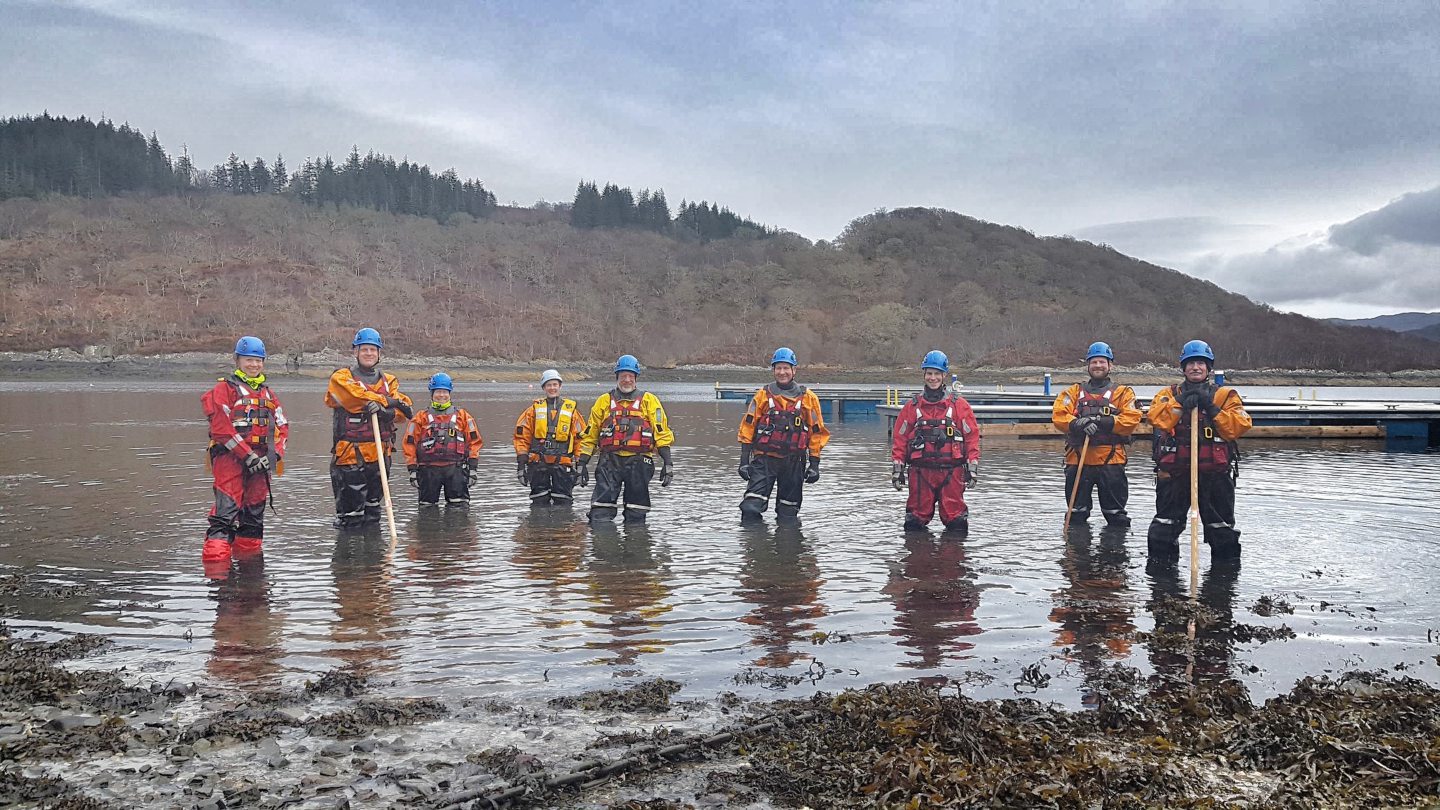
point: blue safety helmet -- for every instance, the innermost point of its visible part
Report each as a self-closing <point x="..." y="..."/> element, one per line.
<point x="937" y="360"/>
<point x="627" y="362"/>
<point x="368" y="337"/>
<point x="1099" y="349"/>
<point x="442" y="381"/>
<point x="1194" y="349"/>
<point x="784" y="355"/>
<point x="250" y="347"/>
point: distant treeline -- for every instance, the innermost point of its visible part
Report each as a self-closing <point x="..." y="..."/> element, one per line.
<point x="79" y="157"/>
<point x="617" y="207"/>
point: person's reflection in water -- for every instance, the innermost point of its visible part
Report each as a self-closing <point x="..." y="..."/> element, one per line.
<point x="1094" y="610"/>
<point x="440" y="543"/>
<point x="365" y="622"/>
<point x="935" y="595"/>
<point x="248" y="636"/>
<point x="628" y="588"/>
<point x="549" y="548"/>
<point x="1214" y="641"/>
<point x="781" y="578"/>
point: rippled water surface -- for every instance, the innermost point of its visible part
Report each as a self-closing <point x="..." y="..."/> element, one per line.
<point x="103" y="487"/>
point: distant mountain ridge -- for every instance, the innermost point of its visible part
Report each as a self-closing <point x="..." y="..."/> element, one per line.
<point x="149" y="275"/>
<point x="1398" y="322"/>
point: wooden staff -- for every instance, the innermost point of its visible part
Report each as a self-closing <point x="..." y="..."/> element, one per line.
<point x="382" y="457"/>
<point x="1075" y="490"/>
<point x="1195" y="504"/>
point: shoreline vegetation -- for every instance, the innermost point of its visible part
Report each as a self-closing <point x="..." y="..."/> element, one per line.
<point x="100" y="361"/>
<point x="89" y="738"/>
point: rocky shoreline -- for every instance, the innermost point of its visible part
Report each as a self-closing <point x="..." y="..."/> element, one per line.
<point x="68" y="364"/>
<point x="88" y="739"/>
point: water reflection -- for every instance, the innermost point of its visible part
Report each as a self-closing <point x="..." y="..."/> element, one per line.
<point x="549" y="547"/>
<point x="1094" y="610"/>
<point x="935" y="595"/>
<point x="781" y="579"/>
<point x="440" y="544"/>
<point x="248" y="635"/>
<point x="364" y="627"/>
<point x="628" y="588"/>
<point x="1210" y="657"/>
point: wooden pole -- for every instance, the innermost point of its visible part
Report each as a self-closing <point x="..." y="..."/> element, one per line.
<point x="1195" y="504"/>
<point x="1075" y="490"/>
<point x="382" y="457"/>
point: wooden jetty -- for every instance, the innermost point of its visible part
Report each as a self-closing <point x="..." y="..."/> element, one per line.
<point x="1401" y="425"/>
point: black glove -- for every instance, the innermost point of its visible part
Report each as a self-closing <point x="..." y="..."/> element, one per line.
<point x="971" y="470"/>
<point x="897" y="475"/>
<point x="1092" y="426"/>
<point x="522" y="469"/>
<point x="1077" y="427"/>
<point x="397" y="404"/>
<point x="744" y="470"/>
<point x="256" y="463"/>
<point x="667" y="474"/>
<point x="372" y="407"/>
<point x="1106" y="423"/>
<point x="414" y="475"/>
<point x="583" y="471"/>
<point x="1192" y="399"/>
<point x="812" y="473"/>
<point x="472" y="464"/>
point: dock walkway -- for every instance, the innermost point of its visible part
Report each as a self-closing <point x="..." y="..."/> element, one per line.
<point x="1402" y="425"/>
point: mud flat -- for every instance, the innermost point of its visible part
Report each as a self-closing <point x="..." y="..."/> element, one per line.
<point x="77" y="738"/>
<point x="95" y="362"/>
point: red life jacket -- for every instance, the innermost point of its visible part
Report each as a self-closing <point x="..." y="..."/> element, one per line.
<point x="1171" y="448"/>
<point x="937" y="441"/>
<point x="782" y="431"/>
<point x="626" y="428"/>
<point x="443" y="440"/>
<point x="1099" y="403"/>
<point x="252" y="414"/>
<point x="355" y="427"/>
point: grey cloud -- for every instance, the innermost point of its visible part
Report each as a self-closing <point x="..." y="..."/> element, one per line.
<point x="1414" y="218"/>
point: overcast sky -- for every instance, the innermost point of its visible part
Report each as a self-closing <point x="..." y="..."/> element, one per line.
<point x="1267" y="146"/>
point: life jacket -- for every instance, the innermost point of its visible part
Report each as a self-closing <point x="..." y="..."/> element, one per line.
<point x="626" y="428"/>
<point x="553" y="443"/>
<point x="1099" y="403"/>
<point x="442" y="440"/>
<point x="355" y="427"/>
<point x="782" y="430"/>
<point x="252" y="415"/>
<point x="936" y="441"/>
<point x="1171" y="448"/>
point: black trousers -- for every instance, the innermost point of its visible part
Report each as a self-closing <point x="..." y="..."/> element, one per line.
<point x="553" y="483"/>
<point x="1114" y="489"/>
<point x="766" y="474"/>
<point x="622" y="480"/>
<point x="357" y="492"/>
<point x="1217" y="508"/>
<point x="452" y="478"/>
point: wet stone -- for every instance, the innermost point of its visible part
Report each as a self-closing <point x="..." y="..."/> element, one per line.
<point x="335" y="749"/>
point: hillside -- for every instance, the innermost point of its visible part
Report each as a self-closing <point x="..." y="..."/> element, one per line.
<point x="1431" y="332"/>
<point x="1398" y="322"/>
<point x="160" y="274"/>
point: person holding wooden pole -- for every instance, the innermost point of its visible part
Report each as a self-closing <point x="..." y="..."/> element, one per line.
<point x="355" y="394"/>
<point x="1097" y="417"/>
<point x="1217" y="418"/>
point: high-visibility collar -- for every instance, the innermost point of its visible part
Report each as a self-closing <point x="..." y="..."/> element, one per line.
<point x="439" y="406"/>
<point x="254" y="382"/>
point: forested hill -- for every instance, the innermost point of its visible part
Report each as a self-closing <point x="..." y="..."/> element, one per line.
<point x="190" y="272"/>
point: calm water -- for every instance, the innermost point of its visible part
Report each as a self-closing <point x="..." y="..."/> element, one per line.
<point x="103" y="487"/>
